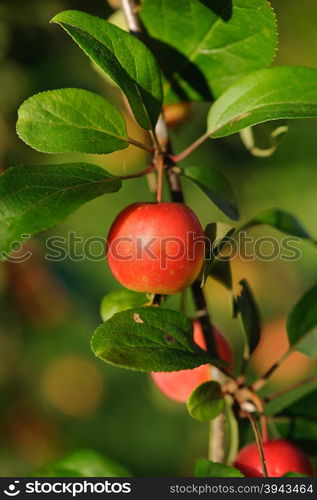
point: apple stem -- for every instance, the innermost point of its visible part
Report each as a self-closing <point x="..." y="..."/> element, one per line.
<point x="146" y="171"/>
<point x="159" y="162"/>
<point x="259" y="442"/>
<point x="181" y="156"/>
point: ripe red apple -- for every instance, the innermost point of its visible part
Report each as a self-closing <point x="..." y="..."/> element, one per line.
<point x="156" y="247"/>
<point x="281" y="457"/>
<point x="179" y="385"/>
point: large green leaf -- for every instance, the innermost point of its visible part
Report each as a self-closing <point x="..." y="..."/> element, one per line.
<point x="69" y="121"/>
<point x="83" y="463"/>
<point x="302" y="324"/>
<point x="149" y="339"/>
<point x="216" y="186"/>
<point x="288" y="398"/>
<point x="246" y="308"/>
<point x="206" y="402"/>
<point x="124" y="58"/>
<point x="279" y="219"/>
<point x="217" y="234"/>
<point x="206" y="45"/>
<point x="268" y="94"/>
<point x="35" y="198"/>
<point x="121" y="300"/>
<point x="206" y="468"/>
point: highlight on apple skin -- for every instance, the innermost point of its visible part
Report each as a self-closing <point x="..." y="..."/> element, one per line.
<point x="281" y="457"/>
<point x="156" y="247"/>
<point x="179" y="385"/>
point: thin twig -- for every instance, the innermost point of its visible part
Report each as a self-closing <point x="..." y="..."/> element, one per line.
<point x="140" y="145"/>
<point x="277" y="394"/>
<point x="258" y="384"/>
<point x="181" y="156"/>
<point x="129" y="9"/>
<point x="259" y="442"/>
<point x="146" y="171"/>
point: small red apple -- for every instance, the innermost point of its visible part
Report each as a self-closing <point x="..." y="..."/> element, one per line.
<point x="156" y="247"/>
<point x="281" y="457"/>
<point x="179" y="385"/>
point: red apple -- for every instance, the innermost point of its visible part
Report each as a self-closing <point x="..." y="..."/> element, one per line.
<point x="281" y="457"/>
<point x="179" y="385"/>
<point x="156" y="247"/>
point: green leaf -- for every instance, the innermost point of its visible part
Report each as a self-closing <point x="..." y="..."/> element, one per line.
<point x="279" y="219"/>
<point x="204" y="46"/>
<point x="246" y="308"/>
<point x="206" y="468"/>
<point x="294" y="474"/>
<point x="302" y="324"/>
<point x="150" y="339"/>
<point x="221" y="272"/>
<point x="35" y="198"/>
<point x="206" y="402"/>
<point x="286" y="399"/>
<point x="263" y="140"/>
<point x="217" y="235"/>
<point x="84" y="463"/>
<point x="304" y="407"/>
<point x="268" y="94"/>
<point x="70" y="121"/>
<point x="121" y="300"/>
<point x="123" y="57"/>
<point x="216" y="186"/>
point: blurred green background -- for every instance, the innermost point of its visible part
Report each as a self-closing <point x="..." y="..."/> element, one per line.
<point x="54" y="395"/>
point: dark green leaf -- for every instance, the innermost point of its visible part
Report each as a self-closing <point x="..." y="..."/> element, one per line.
<point x="69" y="121"/>
<point x="216" y="186"/>
<point x="246" y="307"/>
<point x="206" y="468"/>
<point x="35" y="198"/>
<point x="279" y="219"/>
<point x="83" y="463"/>
<point x="268" y="94"/>
<point x="302" y="324"/>
<point x="123" y="57"/>
<point x="221" y="272"/>
<point x="263" y="140"/>
<point x="217" y="235"/>
<point x="149" y="339"/>
<point x="304" y="407"/>
<point x="206" y="402"/>
<point x="295" y="474"/>
<point x="121" y="300"/>
<point x="281" y="402"/>
<point x="206" y="45"/>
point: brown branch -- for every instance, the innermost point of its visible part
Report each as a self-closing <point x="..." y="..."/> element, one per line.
<point x="259" y="442"/>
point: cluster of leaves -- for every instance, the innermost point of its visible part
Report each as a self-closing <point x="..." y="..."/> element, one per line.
<point x="208" y="56"/>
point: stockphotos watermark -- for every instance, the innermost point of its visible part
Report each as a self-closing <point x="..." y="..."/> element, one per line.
<point x="63" y="487"/>
<point x="169" y="249"/>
